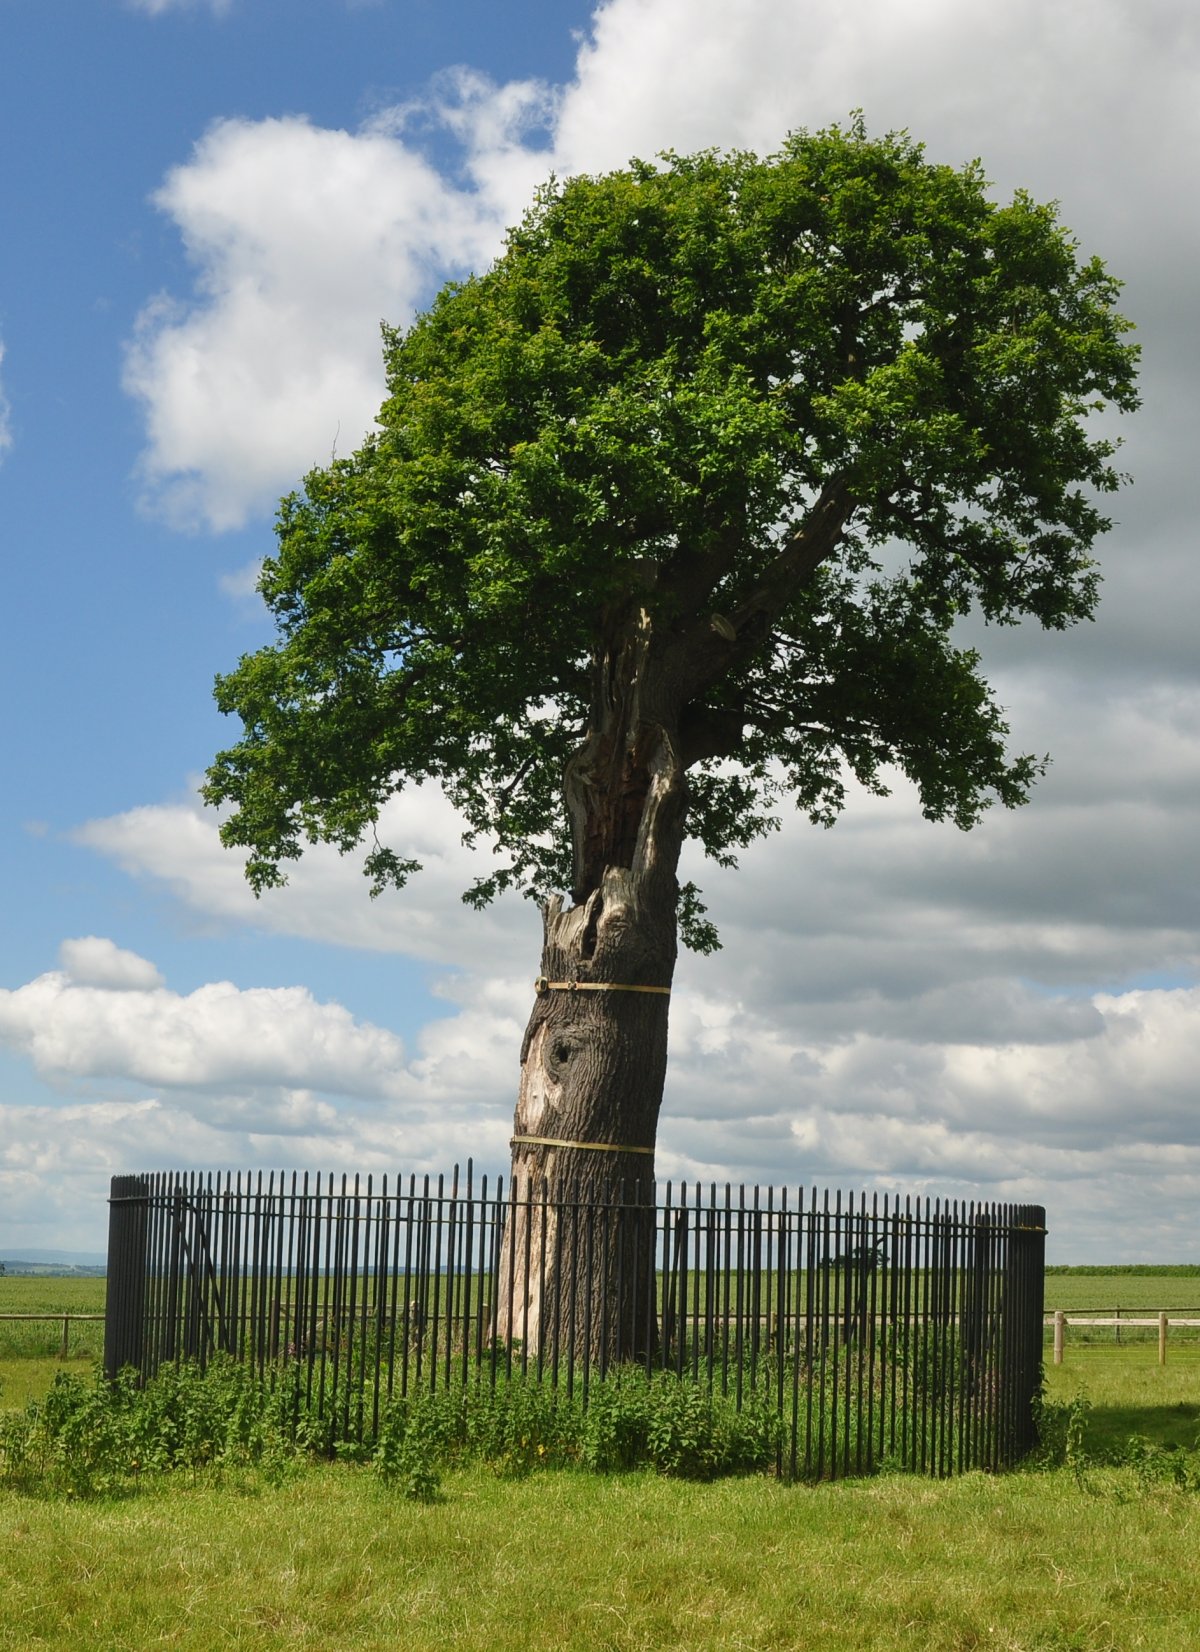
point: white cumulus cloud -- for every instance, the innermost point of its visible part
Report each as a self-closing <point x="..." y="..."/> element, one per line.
<point x="95" y="961"/>
<point x="304" y="238"/>
<point x="242" y="1080"/>
<point x="218" y="1035"/>
<point x="326" y="895"/>
<point x="1099" y="1125"/>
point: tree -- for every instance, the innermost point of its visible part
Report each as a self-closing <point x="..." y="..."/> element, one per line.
<point x="669" y="515"/>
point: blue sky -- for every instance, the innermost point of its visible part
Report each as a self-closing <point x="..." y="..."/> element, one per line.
<point x="206" y="211"/>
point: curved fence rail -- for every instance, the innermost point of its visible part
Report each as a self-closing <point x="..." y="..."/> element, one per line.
<point x="880" y="1330"/>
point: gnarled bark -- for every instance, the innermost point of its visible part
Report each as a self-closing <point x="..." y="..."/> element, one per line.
<point x="594" y="1057"/>
<point x="593" y="1062"/>
<point x="592" y="1070"/>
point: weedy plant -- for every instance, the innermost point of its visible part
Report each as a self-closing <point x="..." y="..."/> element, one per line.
<point x="632" y="1420"/>
<point x="1062" y="1443"/>
<point x="90" y="1438"/>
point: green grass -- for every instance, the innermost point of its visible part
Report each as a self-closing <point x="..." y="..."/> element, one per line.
<point x="1143" y="1295"/>
<point x="27" y="1377"/>
<point x="1077" y="1291"/>
<point x="1117" y="1270"/>
<point x="51" y="1294"/>
<point x="1029" y="1563"/>
<point x="42" y="1339"/>
<point x="1081" y="1293"/>
<point x="1101" y="1558"/>
<point x="1130" y="1393"/>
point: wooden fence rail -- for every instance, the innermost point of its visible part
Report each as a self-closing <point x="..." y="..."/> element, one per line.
<point x="66" y="1319"/>
<point x="1060" y="1320"/>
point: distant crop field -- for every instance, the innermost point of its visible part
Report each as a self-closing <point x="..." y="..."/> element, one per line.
<point x="50" y="1294"/>
<point x="1082" y="1293"/>
<point x="42" y="1339"/>
<point x="1121" y="1295"/>
<point x="1072" y="1292"/>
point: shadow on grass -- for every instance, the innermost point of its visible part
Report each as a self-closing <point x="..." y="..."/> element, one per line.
<point x="1109" y="1427"/>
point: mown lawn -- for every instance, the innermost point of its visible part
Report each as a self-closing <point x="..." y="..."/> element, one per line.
<point x="1129" y="1393"/>
<point x="565" y="1560"/>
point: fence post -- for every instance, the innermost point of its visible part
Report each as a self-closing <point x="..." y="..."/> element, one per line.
<point x="1025" y="1311"/>
<point x="1060" y="1325"/>
<point x="1162" y="1339"/>
<point x="126" y="1288"/>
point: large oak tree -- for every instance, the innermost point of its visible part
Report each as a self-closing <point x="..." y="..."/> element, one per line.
<point x="670" y="516"/>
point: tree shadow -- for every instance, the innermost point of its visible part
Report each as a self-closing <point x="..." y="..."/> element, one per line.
<point x="1176" y="1426"/>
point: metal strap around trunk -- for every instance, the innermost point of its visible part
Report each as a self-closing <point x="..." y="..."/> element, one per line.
<point x="587" y="1146"/>
<point x="541" y="986"/>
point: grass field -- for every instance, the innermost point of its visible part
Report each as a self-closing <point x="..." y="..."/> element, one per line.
<point x="1123" y="1378"/>
<point x="1072" y="1292"/>
<point x="1130" y="1393"/>
<point x="1089" y="1557"/>
<point x="1133" y="1293"/>
<point x="1027" y="1563"/>
<point x="1113" y="1294"/>
<point x="42" y="1339"/>
<point x="52" y="1294"/>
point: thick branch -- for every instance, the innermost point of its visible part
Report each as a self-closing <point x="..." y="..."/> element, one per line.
<point x="713" y="648"/>
<point x="805" y="551"/>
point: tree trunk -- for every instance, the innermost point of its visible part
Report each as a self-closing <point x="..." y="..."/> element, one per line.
<point x="577" y="1273"/>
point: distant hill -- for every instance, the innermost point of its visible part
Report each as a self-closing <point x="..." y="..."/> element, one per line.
<point x="54" y="1262"/>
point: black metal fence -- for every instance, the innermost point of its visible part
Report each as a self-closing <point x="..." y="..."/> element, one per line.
<point x="892" y="1330"/>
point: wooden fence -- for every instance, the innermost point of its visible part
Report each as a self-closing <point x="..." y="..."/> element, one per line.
<point x="66" y="1320"/>
<point x="1118" y="1322"/>
<point x="879" y="1330"/>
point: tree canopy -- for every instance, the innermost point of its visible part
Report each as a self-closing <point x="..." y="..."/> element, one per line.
<point x="798" y="415"/>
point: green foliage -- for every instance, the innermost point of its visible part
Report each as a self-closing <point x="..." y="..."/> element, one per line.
<point x="631" y="1420"/>
<point x="699" y="1435"/>
<point x="1062" y="1442"/>
<point x="1061" y="1425"/>
<point x="96" y="1438"/>
<point x="90" y="1439"/>
<point x="800" y="413"/>
<point x="87" y="1438"/>
<point x="408" y="1453"/>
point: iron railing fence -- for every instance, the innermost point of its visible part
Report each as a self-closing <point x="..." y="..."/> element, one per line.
<point x="880" y="1329"/>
